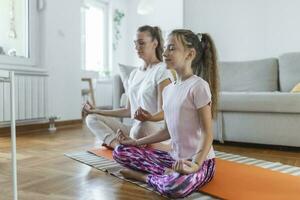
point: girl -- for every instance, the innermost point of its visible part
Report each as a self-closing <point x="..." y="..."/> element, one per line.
<point x="188" y="110"/>
<point x="145" y="86"/>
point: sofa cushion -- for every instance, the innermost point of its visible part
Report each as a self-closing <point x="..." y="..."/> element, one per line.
<point x="259" y="75"/>
<point x="125" y="71"/>
<point x="279" y="102"/>
<point x="289" y="71"/>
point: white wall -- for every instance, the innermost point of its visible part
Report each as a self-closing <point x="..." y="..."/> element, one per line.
<point x="167" y="14"/>
<point x="60" y="45"/>
<point x="61" y="56"/>
<point x="248" y="29"/>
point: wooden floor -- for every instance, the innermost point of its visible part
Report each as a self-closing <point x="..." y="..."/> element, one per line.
<point x="44" y="173"/>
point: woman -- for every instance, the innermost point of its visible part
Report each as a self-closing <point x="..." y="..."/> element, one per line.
<point x="145" y="86"/>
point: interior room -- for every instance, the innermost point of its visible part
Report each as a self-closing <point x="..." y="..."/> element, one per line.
<point x="63" y="62"/>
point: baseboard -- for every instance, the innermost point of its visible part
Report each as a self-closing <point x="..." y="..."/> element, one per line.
<point x="41" y="126"/>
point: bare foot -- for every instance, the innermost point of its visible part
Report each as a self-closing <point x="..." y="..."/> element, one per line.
<point x="131" y="174"/>
<point x="114" y="143"/>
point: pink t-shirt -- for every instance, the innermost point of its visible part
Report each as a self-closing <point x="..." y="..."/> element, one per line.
<point x="181" y="104"/>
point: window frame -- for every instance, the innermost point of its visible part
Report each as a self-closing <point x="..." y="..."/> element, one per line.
<point x="32" y="29"/>
<point x="100" y="4"/>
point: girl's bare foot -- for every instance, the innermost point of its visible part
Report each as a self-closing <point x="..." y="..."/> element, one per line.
<point x="131" y="174"/>
<point x="114" y="143"/>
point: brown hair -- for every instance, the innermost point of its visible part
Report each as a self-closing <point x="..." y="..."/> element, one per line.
<point x="205" y="62"/>
<point x="155" y="33"/>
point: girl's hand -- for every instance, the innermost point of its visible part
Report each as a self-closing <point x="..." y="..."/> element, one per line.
<point x="185" y="167"/>
<point x="124" y="139"/>
<point x="142" y="115"/>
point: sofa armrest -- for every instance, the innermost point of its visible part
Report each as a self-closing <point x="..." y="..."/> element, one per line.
<point x="118" y="90"/>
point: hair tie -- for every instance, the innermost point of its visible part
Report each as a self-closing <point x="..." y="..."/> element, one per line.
<point x="199" y="35"/>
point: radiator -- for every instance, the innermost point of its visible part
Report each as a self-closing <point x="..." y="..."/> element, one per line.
<point x="30" y="98"/>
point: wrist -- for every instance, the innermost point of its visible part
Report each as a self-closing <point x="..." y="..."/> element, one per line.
<point x="198" y="164"/>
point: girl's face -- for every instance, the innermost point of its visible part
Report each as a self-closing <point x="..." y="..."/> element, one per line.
<point x="175" y="55"/>
<point x="145" y="45"/>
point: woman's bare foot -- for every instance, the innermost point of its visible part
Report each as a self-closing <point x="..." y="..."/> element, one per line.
<point x="131" y="174"/>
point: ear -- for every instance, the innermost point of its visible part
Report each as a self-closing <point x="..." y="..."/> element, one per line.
<point x="155" y="43"/>
<point x="191" y="54"/>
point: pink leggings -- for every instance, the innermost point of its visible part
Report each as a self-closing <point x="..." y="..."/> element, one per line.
<point x="154" y="162"/>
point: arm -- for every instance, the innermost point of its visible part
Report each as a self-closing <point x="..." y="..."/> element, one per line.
<point x="160" y="136"/>
<point x="206" y="120"/>
<point x="161" y="86"/>
<point x="122" y="112"/>
<point x="188" y="167"/>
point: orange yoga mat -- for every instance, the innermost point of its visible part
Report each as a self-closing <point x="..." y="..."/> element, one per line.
<point x="239" y="181"/>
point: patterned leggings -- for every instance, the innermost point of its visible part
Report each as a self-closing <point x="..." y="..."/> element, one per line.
<point x="154" y="162"/>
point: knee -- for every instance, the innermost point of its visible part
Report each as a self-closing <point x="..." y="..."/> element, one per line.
<point x="90" y="119"/>
<point x="117" y="152"/>
<point x="143" y="129"/>
<point x="173" y="190"/>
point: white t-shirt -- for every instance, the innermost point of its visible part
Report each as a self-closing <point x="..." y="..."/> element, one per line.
<point x="180" y="105"/>
<point x="142" y="87"/>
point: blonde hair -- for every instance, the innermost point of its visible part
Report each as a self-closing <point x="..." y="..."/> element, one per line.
<point x="155" y="33"/>
<point x="205" y="62"/>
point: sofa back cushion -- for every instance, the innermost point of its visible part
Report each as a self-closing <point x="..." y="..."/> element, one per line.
<point x="255" y="76"/>
<point x="289" y="71"/>
<point x="125" y="71"/>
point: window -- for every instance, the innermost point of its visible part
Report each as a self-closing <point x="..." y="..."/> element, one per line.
<point x="17" y="30"/>
<point x="95" y="37"/>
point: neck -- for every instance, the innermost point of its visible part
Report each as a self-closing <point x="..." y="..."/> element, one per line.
<point x="150" y="61"/>
<point x="184" y="74"/>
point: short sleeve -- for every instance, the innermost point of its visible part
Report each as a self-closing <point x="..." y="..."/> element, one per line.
<point x="201" y="94"/>
<point x="162" y="74"/>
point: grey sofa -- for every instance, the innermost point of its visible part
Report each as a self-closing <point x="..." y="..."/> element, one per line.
<point x="256" y="105"/>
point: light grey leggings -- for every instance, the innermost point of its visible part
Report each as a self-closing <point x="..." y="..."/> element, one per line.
<point x="105" y="128"/>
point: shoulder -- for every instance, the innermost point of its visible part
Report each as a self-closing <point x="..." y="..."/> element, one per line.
<point x="198" y="84"/>
<point x="161" y="66"/>
<point x="167" y="88"/>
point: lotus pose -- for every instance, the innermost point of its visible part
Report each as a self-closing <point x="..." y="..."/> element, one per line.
<point x="145" y="86"/>
<point x="189" y="106"/>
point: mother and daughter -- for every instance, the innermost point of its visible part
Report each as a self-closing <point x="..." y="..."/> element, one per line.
<point x="189" y="104"/>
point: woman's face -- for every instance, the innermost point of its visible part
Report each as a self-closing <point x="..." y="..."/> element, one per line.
<point x="145" y="45"/>
<point x="175" y="55"/>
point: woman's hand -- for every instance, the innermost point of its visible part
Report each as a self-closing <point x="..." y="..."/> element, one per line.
<point x="142" y="115"/>
<point x="88" y="108"/>
<point x="124" y="139"/>
<point x="185" y="167"/>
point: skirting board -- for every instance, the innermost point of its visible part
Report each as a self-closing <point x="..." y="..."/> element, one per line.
<point x="42" y="126"/>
